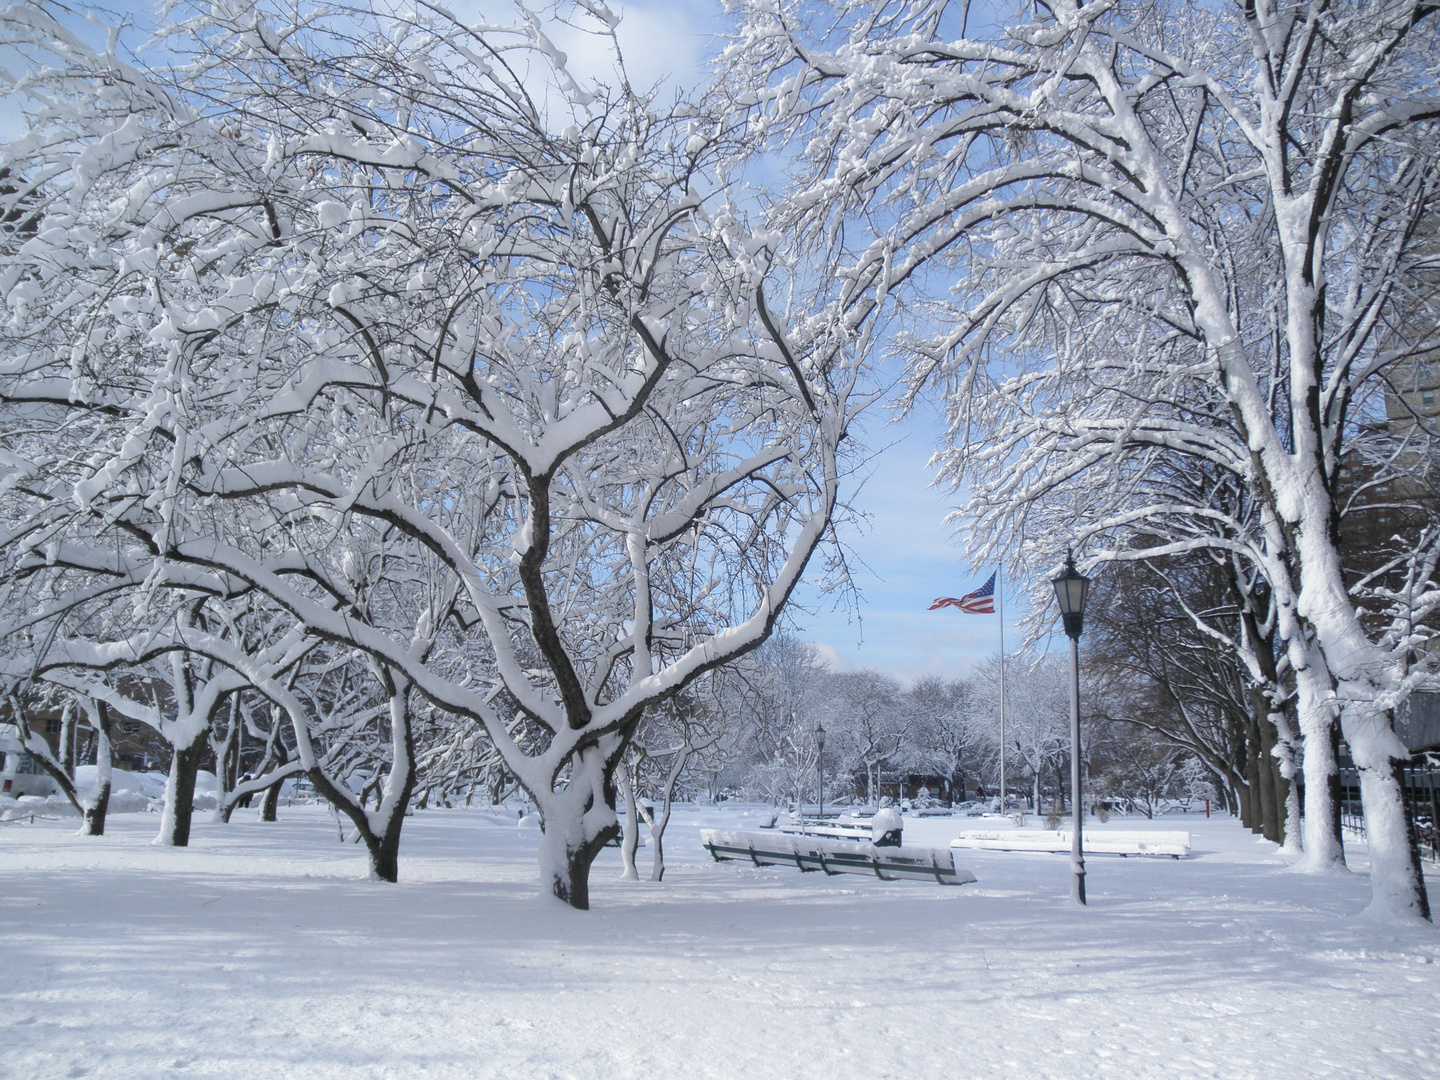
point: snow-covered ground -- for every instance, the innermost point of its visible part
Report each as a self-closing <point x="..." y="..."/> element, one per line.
<point x="261" y="951"/>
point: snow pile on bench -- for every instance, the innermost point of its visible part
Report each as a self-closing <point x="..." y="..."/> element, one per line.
<point x="885" y="828"/>
<point x="1174" y="844"/>
<point x="810" y="853"/>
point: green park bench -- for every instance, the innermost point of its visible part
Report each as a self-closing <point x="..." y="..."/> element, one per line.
<point x="809" y="853"/>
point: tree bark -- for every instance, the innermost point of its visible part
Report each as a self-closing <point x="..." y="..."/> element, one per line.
<point x="99" y="804"/>
<point x="1243" y="792"/>
<point x="568" y="866"/>
<point x="1272" y="808"/>
<point x="1251" y="803"/>
<point x="227" y="762"/>
<point x="180" y="793"/>
<point x="1323" y="851"/>
<point x="271" y="799"/>
<point x="630" y="840"/>
<point x="577" y="822"/>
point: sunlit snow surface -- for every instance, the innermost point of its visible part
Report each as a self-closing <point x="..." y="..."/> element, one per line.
<point x="261" y="951"/>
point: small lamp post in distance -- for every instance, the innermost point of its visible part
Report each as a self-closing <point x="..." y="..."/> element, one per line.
<point x="1072" y="589"/>
<point x="820" y="767"/>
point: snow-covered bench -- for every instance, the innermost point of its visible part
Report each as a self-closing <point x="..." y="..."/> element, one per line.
<point x="830" y="830"/>
<point x="810" y="853"/>
<point x="885" y="828"/>
<point x="1174" y="844"/>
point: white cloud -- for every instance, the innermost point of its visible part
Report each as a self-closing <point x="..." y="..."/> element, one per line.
<point x="664" y="46"/>
<point x="828" y="656"/>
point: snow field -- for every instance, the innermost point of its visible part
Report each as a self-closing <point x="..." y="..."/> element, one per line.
<point x="262" y="951"/>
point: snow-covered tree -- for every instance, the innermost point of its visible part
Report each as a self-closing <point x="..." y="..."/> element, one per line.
<point x="1171" y="232"/>
<point x="943" y="732"/>
<point x="477" y="363"/>
<point x="23" y="697"/>
<point x="1037" y="719"/>
<point x="868" y="725"/>
<point x="779" y="692"/>
<point x="688" y="732"/>
<point x="1185" y="648"/>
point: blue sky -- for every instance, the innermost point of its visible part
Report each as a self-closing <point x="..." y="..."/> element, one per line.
<point x="905" y="556"/>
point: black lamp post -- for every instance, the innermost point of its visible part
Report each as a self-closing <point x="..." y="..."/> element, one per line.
<point x="1072" y="589"/>
<point x="820" y="766"/>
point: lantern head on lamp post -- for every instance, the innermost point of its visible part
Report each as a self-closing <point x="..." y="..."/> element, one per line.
<point x="1072" y="589"/>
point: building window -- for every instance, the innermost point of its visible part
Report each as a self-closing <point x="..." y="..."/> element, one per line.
<point x="1427" y="397"/>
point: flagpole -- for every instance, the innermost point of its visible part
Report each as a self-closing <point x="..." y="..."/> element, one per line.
<point x="1000" y="607"/>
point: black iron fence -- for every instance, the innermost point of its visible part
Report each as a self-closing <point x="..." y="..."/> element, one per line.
<point x="1422" y="797"/>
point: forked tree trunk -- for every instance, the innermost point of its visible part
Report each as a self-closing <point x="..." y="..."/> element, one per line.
<point x="384" y="851"/>
<point x="566" y="867"/>
<point x="577" y="822"/>
<point x="379" y="829"/>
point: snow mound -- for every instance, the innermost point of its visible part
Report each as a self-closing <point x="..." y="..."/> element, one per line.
<point x="886" y="820"/>
<point x="131" y="802"/>
<point x="46" y="805"/>
<point x="151" y="785"/>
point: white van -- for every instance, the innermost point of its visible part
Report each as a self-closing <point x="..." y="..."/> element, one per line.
<point x="20" y="773"/>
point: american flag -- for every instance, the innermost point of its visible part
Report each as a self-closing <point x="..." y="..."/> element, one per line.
<point x="979" y="602"/>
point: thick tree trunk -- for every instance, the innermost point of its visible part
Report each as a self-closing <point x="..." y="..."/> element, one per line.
<point x="1323" y="851"/>
<point x="180" y="794"/>
<point x="96" y="811"/>
<point x="566" y="866"/>
<point x="1396" y="881"/>
<point x="577" y="823"/>
<point x="270" y="801"/>
<point x="1285" y="787"/>
<point x="1272" y="806"/>
<point x="384" y="852"/>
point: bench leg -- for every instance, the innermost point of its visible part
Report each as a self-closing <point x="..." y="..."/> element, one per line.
<point x="935" y="866"/>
